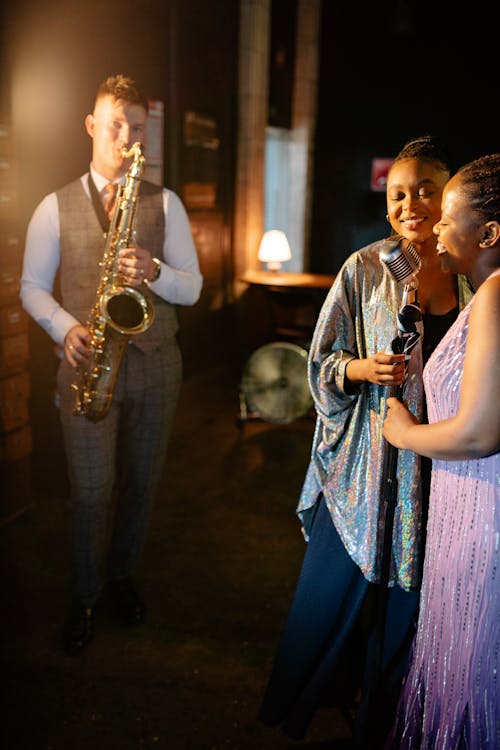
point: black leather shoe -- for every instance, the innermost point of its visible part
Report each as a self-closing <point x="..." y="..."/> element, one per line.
<point x="126" y="602"/>
<point x="79" y="629"/>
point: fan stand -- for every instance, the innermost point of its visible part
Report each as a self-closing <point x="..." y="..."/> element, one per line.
<point x="274" y="386"/>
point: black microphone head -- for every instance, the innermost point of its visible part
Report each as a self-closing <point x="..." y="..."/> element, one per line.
<point x="403" y="263"/>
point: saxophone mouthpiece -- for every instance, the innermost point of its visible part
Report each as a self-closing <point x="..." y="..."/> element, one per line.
<point x="135" y="150"/>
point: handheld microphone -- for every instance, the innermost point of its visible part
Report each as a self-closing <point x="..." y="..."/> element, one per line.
<point x="403" y="264"/>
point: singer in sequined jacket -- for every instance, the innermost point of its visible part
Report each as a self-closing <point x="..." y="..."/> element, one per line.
<point x="359" y="318"/>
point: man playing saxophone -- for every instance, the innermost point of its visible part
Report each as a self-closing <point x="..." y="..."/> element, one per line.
<point x="119" y="455"/>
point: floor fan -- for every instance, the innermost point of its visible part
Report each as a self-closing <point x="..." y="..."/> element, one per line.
<point x="274" y="384"/>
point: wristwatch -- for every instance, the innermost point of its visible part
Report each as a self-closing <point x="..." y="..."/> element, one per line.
<point x="157" y="270"/>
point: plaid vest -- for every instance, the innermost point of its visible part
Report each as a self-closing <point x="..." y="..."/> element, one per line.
<point x="82" y="246"/>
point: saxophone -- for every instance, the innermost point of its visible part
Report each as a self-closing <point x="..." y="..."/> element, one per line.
<point x="119" y="310"/>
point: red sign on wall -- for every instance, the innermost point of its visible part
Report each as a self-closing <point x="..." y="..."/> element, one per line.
<point x="380" y="168"/>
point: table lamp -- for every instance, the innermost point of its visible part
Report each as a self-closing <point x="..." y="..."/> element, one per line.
<point x="274" y="249"/>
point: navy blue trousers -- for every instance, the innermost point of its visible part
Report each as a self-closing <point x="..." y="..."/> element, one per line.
<point x="330" y="625"/>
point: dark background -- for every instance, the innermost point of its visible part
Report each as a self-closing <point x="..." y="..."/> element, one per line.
<point x="390" y="71"/>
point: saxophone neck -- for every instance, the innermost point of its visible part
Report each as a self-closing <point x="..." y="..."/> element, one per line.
<point x="137" y="167"/>
<point x="122" y="222"/>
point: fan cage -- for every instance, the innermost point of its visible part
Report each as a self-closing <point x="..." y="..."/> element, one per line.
<point x="274" y="385"/>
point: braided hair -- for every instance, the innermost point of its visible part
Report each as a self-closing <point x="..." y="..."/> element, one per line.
<point x="428" y="148"/>
<point x="480" y="180"/>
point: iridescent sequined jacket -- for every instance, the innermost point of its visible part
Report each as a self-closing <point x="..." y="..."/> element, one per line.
<point x="358" y="319"/>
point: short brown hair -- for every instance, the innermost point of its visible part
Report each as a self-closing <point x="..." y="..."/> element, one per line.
<point x="124" y="88"/>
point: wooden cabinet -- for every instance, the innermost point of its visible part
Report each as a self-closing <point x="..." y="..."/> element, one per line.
<point x="15" y="428"/>
<point x="282" y="306"/>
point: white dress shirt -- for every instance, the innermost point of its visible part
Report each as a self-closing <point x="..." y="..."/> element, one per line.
<point x="180" y="279"/>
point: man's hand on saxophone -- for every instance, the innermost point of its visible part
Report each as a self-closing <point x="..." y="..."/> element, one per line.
<point x="77" y="346"/>
<point x="136" y="265"/>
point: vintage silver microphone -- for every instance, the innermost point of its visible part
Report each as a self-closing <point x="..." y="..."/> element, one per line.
<point x="403" y="265"/>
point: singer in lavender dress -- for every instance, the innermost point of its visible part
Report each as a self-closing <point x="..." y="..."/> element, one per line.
<point x="322" y="653"/>
<point x="451" y="695"/>
<point x="457" y="648"/>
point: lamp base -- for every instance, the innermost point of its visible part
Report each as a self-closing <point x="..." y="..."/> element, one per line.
<point x="273" y="265"/>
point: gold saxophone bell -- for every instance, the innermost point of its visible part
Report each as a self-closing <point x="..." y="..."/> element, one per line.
<point x="126" y="309"/>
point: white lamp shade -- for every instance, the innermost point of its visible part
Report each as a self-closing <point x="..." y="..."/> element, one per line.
<point x="274" y="249"/>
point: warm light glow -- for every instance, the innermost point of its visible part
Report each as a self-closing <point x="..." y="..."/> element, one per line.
<point x="274" y="249"/>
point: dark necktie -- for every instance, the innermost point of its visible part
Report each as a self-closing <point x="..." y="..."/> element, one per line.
<point x="109" y="198"/>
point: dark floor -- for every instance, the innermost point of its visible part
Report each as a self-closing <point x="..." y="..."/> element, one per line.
<point x="218" y="573"/>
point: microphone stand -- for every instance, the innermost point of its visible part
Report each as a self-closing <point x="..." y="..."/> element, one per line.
<point x="407" y="338"/>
